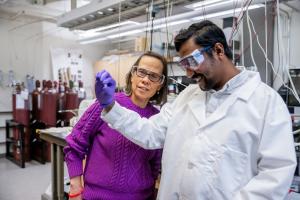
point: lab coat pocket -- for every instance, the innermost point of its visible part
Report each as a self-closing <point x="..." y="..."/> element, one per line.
<point x="198" y="174"/>
<point x="229" y="172"/>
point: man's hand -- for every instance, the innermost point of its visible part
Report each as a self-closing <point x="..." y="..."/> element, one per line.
<point x="105" y="88"/>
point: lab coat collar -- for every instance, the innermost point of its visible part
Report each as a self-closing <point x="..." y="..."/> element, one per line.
<point x="249" y="87"/>
<point x="244" y="92"/>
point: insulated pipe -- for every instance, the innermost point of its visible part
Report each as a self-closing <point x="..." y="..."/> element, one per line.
<point x="73" y="4"/>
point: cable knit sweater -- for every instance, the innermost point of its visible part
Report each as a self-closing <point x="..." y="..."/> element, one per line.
<point x="116" y="168"/>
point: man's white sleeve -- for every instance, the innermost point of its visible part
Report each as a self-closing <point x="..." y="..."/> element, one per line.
<point x="147" y="133"/>
<point x="276" y="160"/>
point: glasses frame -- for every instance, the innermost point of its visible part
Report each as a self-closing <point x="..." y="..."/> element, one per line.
<point x="149" y="73"/>
<point x="196" y="57"/>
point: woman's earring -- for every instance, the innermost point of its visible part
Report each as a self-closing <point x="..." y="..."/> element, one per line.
<point x="157" y="92"/>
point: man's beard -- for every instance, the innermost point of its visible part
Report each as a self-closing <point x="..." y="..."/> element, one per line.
<point x="198" y="78"/>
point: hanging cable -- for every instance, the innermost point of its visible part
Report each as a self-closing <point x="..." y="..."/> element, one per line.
<point x="119" y="47"/>
<point x="294" y="92"/>
<point x="152" y="19"/>
<point x="168" y="11"/>
<point x="266" y="40"/>
<point x="250" y="36"/>
<point x="241" y="15"/>
<point x="147" y="26"/>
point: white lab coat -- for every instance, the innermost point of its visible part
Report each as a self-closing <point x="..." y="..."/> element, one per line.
<point x="244" y="150"/>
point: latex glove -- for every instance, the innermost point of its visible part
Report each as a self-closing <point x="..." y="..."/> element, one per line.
<point x="105" y="88"/>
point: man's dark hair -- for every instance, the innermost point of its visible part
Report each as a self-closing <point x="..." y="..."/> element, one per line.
<point x="206" y="34"/>
<point x="161" y="97"/>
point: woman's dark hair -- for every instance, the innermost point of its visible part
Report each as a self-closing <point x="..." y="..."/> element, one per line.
<point x="160" y="97"/>
<point x="206" y="34"/>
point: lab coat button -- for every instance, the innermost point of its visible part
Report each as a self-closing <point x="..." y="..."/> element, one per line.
<point x="190" y="165"/>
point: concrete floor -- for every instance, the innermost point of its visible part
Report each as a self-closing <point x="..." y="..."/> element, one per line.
<point x="27" y="183"/>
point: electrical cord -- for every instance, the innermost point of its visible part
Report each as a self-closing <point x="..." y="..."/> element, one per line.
<point x="294" y="91"/>
<point x="266" y="40"/>
<point x="240" y="17"/>
<point x="250" y="36"/>
<point x="146" y="40"/>
<point x="272" y="66"/>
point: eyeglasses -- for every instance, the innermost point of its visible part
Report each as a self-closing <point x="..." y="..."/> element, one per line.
<point x="193" y="60"/>
<point x="152" y="76"/>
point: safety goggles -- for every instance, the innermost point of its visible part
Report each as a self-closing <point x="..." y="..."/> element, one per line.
<point x="193" y="60"/>
<point x="152" y="76"/>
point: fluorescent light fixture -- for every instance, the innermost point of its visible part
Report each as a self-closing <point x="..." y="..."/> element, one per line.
<point x="124" y="34"/>
<point x="100" y="12"/>
<point x="214" y="5"/>
<point x="135" y="31"/>
<point x="95" y="32"/>
<point x="227" y="12"/>
<point x="169" y="24"/>
<point x="173" y="20"/>
<point x="113" y="26"/>
<point x="93" y="41"/>
<point x="203" y="3"/>
<point x="110" y="9"/>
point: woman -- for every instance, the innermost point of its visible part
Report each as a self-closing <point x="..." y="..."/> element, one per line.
<point x="116" y="168"/>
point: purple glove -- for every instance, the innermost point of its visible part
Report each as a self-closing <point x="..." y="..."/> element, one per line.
<point x="105" y="88"/>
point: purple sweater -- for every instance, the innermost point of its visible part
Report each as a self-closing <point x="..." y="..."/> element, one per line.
<point x="116" y="168"/>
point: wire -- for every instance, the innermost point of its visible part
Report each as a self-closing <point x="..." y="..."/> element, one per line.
<point x="152" y="19"/>
<point x="250" y="35"/>
<point x="278" y="48"/>
<point x="148" y="15"/>
<point x="272" y="66"/>
<point x="266" y="40"/>
<point x="239" y="19"/>
<point x="119" y="46"/>
<point x="168" y="12"/>
<point x="294" y="91"/>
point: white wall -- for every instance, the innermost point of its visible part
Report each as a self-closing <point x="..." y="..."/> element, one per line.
<point x="25" y="49"/>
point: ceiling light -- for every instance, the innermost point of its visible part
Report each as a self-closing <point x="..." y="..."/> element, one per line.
<point x="160" y="23"/>
<point x="202" y="3"/>
<point x="83" y="19"/>
<point x="227" y="12"/>
<point x="110" y="9"/>
<point x="169" y="24"/>
<point x="218" y="4"/>
<point x="100" y="12"/>
<point x="93" y="41"/>
<point x="102" y="28"/>
<point x="125" y="34"/>
<point x="92" y="16"/>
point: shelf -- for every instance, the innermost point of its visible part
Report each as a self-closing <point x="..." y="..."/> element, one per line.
<point x="5" y="112"/>
<point x="10" y="140"/>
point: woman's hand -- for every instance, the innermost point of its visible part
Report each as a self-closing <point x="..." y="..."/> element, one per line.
<point x="75" y="188"/>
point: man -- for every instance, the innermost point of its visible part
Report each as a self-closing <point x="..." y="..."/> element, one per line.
<point x="227" y="138"/>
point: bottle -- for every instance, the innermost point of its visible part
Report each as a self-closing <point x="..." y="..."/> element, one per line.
<point x="49" y="105"/>
<point x="61" y="105"/>
<point x="71" y="102"/>
<point x="81" y="92"/>
<point x="36" y="101"/>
